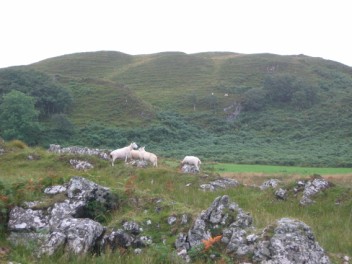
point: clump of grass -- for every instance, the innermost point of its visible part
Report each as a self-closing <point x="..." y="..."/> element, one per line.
<point x="16" y="143"/>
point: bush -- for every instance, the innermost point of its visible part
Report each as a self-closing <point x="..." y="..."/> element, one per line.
<point x="254" y="99"/>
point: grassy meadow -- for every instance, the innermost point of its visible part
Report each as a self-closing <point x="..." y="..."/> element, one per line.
<point x="140" y="191"/>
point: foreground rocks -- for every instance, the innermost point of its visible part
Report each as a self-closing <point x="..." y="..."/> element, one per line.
<point x="292" y="241"/>
<point x="69" y="224"/>
<point x="286" y="241"/>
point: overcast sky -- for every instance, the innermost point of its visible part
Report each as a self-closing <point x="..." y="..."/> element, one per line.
<point x="33" y="30"/>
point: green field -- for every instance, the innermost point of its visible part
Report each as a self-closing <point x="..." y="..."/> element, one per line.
<point x="285" y="170"/>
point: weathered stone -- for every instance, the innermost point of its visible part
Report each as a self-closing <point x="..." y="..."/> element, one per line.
<point x="272" y="183"/>
<point x="171" y="220"/>
<point x="60" y="211"/>
<point x="104" y="154"/>
<point x="207" y="187"/>
<point x="120" y="238"/>
<point x="243" y="219"/>
<point x="25" y="220"/>
<point x="61" y="224"/>
<point x="222" y="183"/>
<point x="289" y="241"/>
<point x="142" y="241"/>
<point x="221" y="213"/>
<point x="292" y="242"/>
<point x="187" y="168"/>
<point x="311" y="188"/>
<point x="234" y="238"/>
<point x="53" y="190"/>
<point x="81" y="164"/>
<point x="281" y="194"/>
<point x="181" y="242"/>
<point x="184" y="219"/>
<point x="55" y="241"/>
<point x="81" y="234"/>
<point x="28" y="239"/>
<point x="132" y="227"/>
<point x="138" y="163"/>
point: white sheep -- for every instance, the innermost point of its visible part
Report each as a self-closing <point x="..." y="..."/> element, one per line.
<point x="135" y="154"/>
<point x="148" y="156"/>
<point x="192" y="160"/>
<point x="122" y="153"/>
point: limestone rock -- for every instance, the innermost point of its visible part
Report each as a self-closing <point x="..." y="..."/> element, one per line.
<point x="272" y="183"/>
<point x="292" y="242"/>
<point x="222" y="183"/>
<point x="62" y="224"/>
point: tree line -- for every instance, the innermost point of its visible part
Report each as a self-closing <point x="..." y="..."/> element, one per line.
<point x="28" y="99"/>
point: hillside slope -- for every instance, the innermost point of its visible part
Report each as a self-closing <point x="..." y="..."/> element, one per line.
<point x="255" y="108"/>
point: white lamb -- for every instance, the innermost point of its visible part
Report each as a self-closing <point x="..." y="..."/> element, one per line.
<point x="192" y="160"/>
<point x="122" y="153"/>
<point x="148" y="156"/>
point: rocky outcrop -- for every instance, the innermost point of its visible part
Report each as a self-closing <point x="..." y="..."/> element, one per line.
<point x="101" y="153"/>
<point x="65" y="223"/>
<point x="291" y="241"/>
<point x="308" y="189"/>
<point x="222" y="183"/>
<point x="130" y="235"/>
<point x="81" y="164"/>
<point x="138" y="163"/>
<point x="311" y="188"/>
<point x="272" y="183"/>
<point x="221" y="218"/>
<point x="68" y="224"/>
<point x="286" y="241"/>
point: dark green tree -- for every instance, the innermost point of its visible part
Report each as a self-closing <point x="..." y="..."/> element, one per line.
<point x="288" y="89"/>
<point x="19" y="118"/>
<point x="254" y="99"/>
<point x="280" y="88"/>
<point x="50" y="97"/>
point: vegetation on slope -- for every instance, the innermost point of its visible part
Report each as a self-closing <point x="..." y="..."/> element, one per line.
<point x="259" y="108"/>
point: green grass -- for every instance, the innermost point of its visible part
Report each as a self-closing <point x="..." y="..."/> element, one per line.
<point x="285" y="170"/>
<point x="141" y="191"/>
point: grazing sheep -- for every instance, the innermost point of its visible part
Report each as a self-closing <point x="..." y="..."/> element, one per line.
<point x="135" y="154"/>
<point x="192" y="160"/>
<point x="148" y="156"/>
<point x="122" y="153"/>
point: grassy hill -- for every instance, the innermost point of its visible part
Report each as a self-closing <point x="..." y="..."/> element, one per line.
<point x="220" y="106"/>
